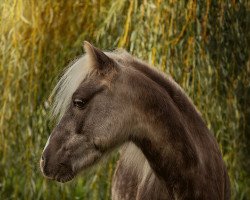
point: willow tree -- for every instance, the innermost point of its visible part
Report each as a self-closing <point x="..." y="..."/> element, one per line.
<point x="202" y="44"/>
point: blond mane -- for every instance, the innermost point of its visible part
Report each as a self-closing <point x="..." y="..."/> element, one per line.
<point x="76" y="72"/>
<point x="67" y="85"/>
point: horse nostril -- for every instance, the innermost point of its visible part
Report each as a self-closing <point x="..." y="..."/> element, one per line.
<point x="42" y="164"/>
<point x="42" y="161"/>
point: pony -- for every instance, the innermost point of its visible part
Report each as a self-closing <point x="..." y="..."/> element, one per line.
<point x="110" y="100"/>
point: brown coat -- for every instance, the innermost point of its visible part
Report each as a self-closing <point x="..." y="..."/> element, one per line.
<point x="109" y="100"/>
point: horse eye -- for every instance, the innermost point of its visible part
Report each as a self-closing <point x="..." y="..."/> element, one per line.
<point x="79" y="103"/>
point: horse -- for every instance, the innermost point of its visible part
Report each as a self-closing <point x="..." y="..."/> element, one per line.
<point x="109" y="100"/>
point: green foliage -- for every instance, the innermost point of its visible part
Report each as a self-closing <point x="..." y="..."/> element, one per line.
<point x="202" y="44"/>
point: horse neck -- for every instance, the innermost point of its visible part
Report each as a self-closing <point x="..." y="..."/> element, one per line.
<point x="164" y="132"/>
<point x="175" y="92"/>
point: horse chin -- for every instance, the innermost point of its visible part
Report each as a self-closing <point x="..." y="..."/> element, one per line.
<point x="64" y="175"/>
<point x="65" y="178"/>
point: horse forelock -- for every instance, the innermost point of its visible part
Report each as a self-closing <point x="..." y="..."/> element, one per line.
<point x="76" y="72"/>
<point x="67" y="85"/>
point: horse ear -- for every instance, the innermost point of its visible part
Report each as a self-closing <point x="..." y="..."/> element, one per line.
<point x="98" y="59"/>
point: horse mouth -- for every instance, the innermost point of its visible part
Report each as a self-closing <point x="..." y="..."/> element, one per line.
<point x="64" y="174"/>
<point x="62" y="178"/>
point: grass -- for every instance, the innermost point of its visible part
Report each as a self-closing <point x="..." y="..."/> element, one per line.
<point x="203" y="45"/>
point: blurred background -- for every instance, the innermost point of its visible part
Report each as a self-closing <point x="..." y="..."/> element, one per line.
<point x="204" y="45"/>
